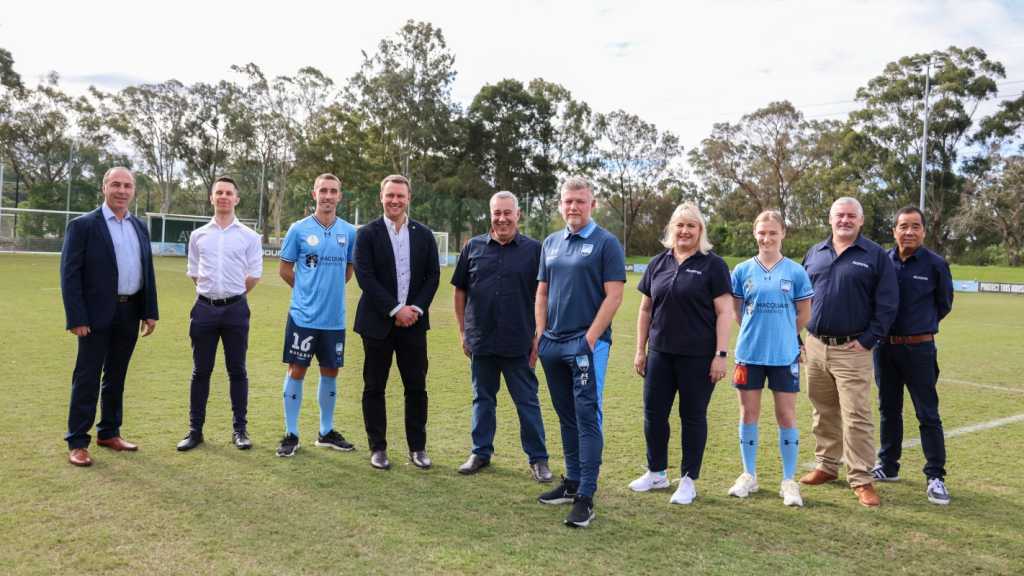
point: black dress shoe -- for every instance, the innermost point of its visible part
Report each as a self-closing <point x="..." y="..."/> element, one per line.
<point x="241" y="439"/>
<point x="540" y="471"/>
<point x="191" y="440"/>
<point x="379" y="460"/>
<point x="474" y="464"/>
<point x="420" y="459"/>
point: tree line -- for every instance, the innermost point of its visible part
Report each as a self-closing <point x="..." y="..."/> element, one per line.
<point x="397" y="115"/>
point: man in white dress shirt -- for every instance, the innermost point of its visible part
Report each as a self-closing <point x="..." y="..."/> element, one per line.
<point x="225" y="260"/>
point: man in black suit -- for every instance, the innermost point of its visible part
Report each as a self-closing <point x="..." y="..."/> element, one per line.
<point x="398" y="271"/>
<point x="109" y="291"/>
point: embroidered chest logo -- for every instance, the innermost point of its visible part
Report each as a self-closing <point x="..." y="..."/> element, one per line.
<point x="786" y="285"/>
<point x="586" y="249"/>
<point x="342" y="239"/>
<point x="861" y="264"/>
<point x="312" y="240"/>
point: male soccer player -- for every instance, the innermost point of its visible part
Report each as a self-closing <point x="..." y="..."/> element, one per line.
<point x="907" y="356"/>
<point x="316" y="261"/>
<point x="581" y="277"/>
<point x="109" y="291"/>
<point x="397" y="267"/>
<point x="495" y="287"/>
<point x="855" y="301"/>
<point x="225" y="261"/>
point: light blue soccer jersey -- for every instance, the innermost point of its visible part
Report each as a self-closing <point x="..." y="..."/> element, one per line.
<point x="768" y="331"/>
<point x="321" y="256"/>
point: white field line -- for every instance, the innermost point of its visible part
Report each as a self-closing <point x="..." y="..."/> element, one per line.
<point x="986" y="386"/>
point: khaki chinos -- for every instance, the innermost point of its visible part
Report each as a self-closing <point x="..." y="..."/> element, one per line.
<point x="839" y="385"/>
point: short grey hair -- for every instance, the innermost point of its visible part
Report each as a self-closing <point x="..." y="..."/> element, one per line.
<point x="504" y="194"/>
<point x="847" y="200"/>
<point x="110" y="172"/>
<point x="576" y="183"/>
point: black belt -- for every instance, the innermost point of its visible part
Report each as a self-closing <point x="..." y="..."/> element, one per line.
<point x="914" y="339"/>
<point x="221" y="301"/>
<point x="837" y="340"/>
<point x="125" y="298"/>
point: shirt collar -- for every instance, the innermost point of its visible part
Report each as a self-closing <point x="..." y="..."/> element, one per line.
<point x="861" y="242"/>
<point x="108" y="213"/>
<point x="233" y="223"/>
<point x="514" y="240"/>
<point x="585" y="232"/>
<point x="391" y="225"/>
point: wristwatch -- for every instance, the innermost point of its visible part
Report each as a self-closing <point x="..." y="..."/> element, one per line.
<point x="722" y="353"/>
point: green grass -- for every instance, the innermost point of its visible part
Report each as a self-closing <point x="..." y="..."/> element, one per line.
<point x="220" y="511"/>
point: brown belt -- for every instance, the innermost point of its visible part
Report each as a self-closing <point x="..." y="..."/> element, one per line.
<point x="915" y="339"/>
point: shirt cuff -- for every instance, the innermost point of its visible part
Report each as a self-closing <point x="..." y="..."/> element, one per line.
<point x="417" y="309"/>
<point x="395" y="310"/>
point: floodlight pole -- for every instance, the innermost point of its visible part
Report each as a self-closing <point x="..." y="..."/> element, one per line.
<point x="67" y="201"/>
<point x="924" y="135"/>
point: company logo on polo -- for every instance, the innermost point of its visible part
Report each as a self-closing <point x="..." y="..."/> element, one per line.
<point x="692" y="271"/>
<point x="861" y="264"/>
<point x="920" y="277"/>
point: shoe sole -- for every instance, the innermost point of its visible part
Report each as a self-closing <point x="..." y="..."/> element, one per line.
<point x="652" y="487"/>
<point x="471" y="471"/>
<point x="743" y="493"/>
<point x="243" y="446"/>
<point x="797" y="503"/>
<point x="887" y="479"/>
<point x="187" y="448"/>
<point x="290" y="454"/>
<point x="582" y="524"/>
<point x="376" y="467"/>
<point x="333" y="446"/>
<point x="937" y="501"/>
<point x="556" y="501"/>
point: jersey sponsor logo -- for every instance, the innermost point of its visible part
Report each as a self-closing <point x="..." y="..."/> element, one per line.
<point x="861" y="264"/>
<point x="586" y="249"/>
<point x="916" y="277"/>
<point x="312" y="240"/>
<point x="312" y="260"/>
<point x="786" y="285"/>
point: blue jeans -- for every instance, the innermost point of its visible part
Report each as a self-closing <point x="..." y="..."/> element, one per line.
<point x="522" y="386"/>
<point x="575" y="376"/>
<point x="913" y="366"/>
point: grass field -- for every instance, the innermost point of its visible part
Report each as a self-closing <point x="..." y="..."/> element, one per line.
<point x="216" y="510"/>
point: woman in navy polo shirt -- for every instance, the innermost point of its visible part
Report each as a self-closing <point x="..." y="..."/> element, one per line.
<point x="772" y="297"/>
<point x="682" y="335"/>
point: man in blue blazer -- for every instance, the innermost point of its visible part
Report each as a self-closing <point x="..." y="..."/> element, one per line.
<point x="397" y="268"/>
<point x="109" y="290"/>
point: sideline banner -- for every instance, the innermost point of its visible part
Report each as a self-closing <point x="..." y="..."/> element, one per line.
<point x="1001" y="287"/>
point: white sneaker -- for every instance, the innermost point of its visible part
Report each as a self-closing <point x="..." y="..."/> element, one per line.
<point x="685" y="493"/>
<point x="650" y="481"/>
<point x="744" y="486"/>
<point x="790" y="492"/>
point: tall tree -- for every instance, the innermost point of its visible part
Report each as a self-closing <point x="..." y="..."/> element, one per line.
<point x="891" y="122"/>
<point x="995" y="201"/>
<point x="205" y="144"/>
<point x="638" y="162"/>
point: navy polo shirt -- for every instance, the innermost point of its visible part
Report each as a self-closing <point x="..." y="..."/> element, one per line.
<point x="501" y="286"/>
<point x="683" y="313"/>
<point x="575" y="267"/>
<point x="854" y="293"/>
<point x="926" y="292"/>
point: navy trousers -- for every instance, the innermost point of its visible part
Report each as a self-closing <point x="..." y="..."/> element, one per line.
<point x="667" y="375"/>
<point x="575" y="376"/>
<point x="521" y="382"/>
<point x="915" y="367"/>
<point x="106" y="351"/>
<point x="230" y="325"/>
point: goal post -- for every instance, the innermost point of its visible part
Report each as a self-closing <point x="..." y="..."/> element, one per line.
<point x="169" y="233"/>
<point x="442" y="248"/>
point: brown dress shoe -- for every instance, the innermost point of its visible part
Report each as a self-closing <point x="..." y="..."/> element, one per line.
<point x="80" y="457"/>
<point x="867" y="495"/>
<point x="816" y="477"/>
<point x="117" y="443"/>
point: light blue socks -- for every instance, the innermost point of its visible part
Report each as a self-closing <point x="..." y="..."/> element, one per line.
<point x="748" y="447"/>
<point x="327" y="393"/>
<point x="789" y="447"/>
<point x="292" y="403"/>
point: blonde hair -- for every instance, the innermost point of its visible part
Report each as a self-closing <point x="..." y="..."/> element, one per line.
<point x="397" y="179"/>
<point x="770" y="216"/>
<point x="689" y="211"/>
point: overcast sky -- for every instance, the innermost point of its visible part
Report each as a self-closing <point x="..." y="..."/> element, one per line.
<point x="682" y="65"/>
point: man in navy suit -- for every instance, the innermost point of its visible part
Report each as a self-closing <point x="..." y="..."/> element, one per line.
<point x="397" y="268"/>
<point x="109" y="290"/>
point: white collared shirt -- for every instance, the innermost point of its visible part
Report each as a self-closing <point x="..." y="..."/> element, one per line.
<point x="403" y="266"/>
<point x="220" y="259"/>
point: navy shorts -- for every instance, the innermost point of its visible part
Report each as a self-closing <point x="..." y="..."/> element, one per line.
<point x="780" y="378"/>
<point x="301" y="344"/>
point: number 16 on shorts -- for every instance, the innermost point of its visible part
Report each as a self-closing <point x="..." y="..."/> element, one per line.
<point x="302" y="344"/>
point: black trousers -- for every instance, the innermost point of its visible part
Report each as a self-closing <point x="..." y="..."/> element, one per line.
<point x="913" y="366"/>
<point x="106" y="351"/>
<point x="230" y="325"/>
<point x="409" y="346"/>
<point x="687" y="376"/>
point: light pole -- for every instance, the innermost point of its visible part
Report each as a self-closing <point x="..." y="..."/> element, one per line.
<point x="67" y="201"/>
<point x="924" y="134"/>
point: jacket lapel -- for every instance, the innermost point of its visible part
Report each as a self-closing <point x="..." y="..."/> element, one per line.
<point x="101" y="223"/>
